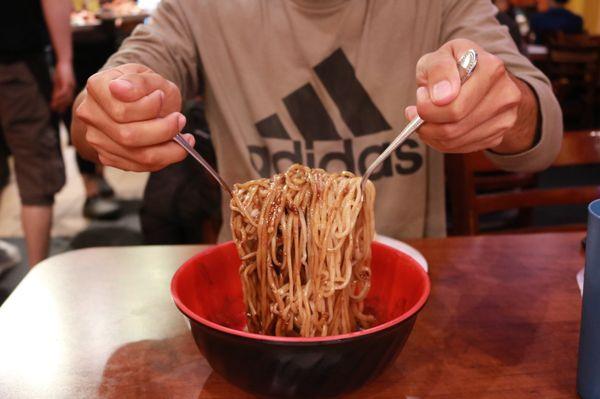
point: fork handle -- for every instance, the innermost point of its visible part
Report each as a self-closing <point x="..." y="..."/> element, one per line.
<point x="466" y="65"/>
<point x="190" y="150"/>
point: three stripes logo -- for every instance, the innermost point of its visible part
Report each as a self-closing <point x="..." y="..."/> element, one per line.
<point x="308" y="113"/>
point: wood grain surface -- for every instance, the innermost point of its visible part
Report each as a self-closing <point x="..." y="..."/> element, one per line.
<point x="502" y="322"/>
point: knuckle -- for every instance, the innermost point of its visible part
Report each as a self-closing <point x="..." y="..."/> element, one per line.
<point x="511" y="120"/>
<point x="105" y="161"/>
<point x="440" y="63"/>
<point x="91" y="137"/>
<point x="93" y="80"/>
<point x="140" y="68"/>
<point x="126" y="136"/>
<point x="141" y="84"/>
<point x="171" y="88"/>
<point x="155" y="167"/>
<point x="437" y="143"/>
<point x="180" y="156"/>
<point x="507" y="121"/>
<point x="423" y="60"/>
<point x="451" y="145"/>
<point x="82" y="111"/>
<point x="496" y="141"/>
<point x="445" y="148"/>
<point x="457" y="111"/>
<point x="515" y="96"/>
<point x="173" y="93"/>
<point x="118" y="112"/>
<point x="448" y="131"/>
<point x="172" y="126"/>
<point x="496" y="66"/>
<point x="430" y="142"/>
<point x="130" y="65"/>
<point x="127" y="167"/>
<point x="148" y="158"/>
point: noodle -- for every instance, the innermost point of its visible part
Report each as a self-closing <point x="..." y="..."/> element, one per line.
<point x="304" y="237"/>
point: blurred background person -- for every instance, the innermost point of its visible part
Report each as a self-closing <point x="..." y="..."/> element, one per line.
<point x="9" y="253"/>
<point x="88" y="57"/>
<point x="182" y="203"/>
<point x="506" y="17"/>
<point x="27" y="98"/>
<point x="556" y="19"/>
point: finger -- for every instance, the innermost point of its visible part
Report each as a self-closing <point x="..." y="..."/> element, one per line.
<point x="437" y="73"/>
<point x="151" y="132"/>
<point x="486" y="144"/>
<point x="410" y="112"/>
<point x="150" y="157"/>
<point x="132" y="134"/>
<point x="480" y="136"/>
<point x="500" y="99"/>
<point x="490" y="70"/>
<point x="146" y="107"/>
<point x="132" y="87"/>
<point x="471" y="147"/>
<point x="119" y="163"/>
<point x="190" y="139"/>
<point x="104" y="143"/>
<point x="147" y="159"/>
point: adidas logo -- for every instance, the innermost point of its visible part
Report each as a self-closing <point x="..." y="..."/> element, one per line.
<point x="310" y="116"/>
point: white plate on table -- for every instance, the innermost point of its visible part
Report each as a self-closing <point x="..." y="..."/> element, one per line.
<point x="404" y="247"/>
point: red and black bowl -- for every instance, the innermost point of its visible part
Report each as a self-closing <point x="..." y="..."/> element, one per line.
<point x="208" y="291"/>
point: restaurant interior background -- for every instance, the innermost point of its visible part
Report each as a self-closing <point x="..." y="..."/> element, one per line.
<point x="480" y="200"/>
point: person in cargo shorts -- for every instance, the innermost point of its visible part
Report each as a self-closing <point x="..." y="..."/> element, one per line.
<point x="27" y="96"/>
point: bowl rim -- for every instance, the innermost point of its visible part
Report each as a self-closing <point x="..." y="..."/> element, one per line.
<point x="269" y="338"/>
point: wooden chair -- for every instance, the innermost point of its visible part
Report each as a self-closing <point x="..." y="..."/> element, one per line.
<point x="464" y="171"/>
<point x="573" y="68"/>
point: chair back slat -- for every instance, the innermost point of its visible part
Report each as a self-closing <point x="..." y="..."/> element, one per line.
<point x="464" y="171"/>
<point x="486" y="203"/>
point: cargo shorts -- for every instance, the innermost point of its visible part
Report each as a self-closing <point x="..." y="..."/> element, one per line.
<point x="27" y="130"/>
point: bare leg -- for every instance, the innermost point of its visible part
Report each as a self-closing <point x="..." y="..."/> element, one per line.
<point x="37" y="221"/>
<point x="91" y="185"/>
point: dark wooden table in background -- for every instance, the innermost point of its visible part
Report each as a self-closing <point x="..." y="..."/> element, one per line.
<point x="502" y="322"/>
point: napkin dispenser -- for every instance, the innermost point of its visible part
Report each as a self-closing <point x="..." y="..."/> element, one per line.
<point x="588" y="373"/>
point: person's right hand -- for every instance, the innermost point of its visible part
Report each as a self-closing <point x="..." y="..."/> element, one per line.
<point x="130" y="115"/>
<point x="62" y="87"/>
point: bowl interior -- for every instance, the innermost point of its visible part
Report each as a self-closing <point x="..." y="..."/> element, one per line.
<point x="207" y="288"/>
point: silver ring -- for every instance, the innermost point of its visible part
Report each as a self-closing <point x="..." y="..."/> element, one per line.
<point x="467" y="64"/>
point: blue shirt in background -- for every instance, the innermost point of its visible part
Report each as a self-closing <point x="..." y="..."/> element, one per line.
<point x="555" y="20"/>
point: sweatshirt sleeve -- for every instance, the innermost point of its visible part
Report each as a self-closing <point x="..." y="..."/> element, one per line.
<point x="475" y="20"/>
<point x="166" y="45"/>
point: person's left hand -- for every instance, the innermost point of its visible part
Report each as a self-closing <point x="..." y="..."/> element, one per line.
<point x="492" y="110"/>
<point x="63" y="87"/>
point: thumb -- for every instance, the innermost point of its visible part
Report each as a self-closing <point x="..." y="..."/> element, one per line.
<point x="134" y="86"/>
<point x="438" y="72"/>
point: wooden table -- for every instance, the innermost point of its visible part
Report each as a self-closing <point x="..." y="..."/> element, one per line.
<point x="502" y="322"/>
